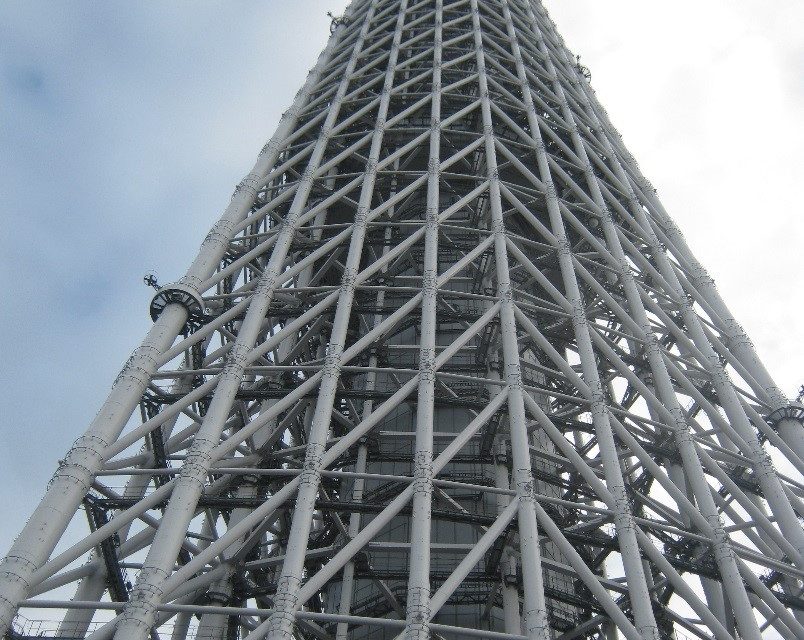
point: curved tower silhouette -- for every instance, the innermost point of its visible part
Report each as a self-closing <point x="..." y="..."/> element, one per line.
<point x="444" y="368"/>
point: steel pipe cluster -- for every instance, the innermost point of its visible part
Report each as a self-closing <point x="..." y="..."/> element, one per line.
<point x="444" y="368"/>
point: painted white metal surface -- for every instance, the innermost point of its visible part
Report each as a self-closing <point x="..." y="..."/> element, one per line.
<point x="444" y="368"/>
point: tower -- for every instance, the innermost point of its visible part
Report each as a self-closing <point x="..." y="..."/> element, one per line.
<point x="444" y="368"/>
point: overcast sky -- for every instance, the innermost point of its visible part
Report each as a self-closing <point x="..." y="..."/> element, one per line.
<point x="124" y="127"/>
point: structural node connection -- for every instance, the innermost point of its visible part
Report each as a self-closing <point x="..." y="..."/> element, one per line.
<point x="444" y="368"/>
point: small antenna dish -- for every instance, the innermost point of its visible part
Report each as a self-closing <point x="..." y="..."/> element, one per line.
<point x="336" y="21"/>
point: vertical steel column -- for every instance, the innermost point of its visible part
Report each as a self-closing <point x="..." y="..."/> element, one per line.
<point x="624" y="522"/>
<point x="738" y="342"/>
<point x="535" y="622"/>
<point x="509" y="573"/>
<point x="282" y="622"/>
<point x="512" y="620"/>
<point x="213" y="625"/>
<point x="418" y="600"/>
<point x="663" y="382"/>
<point x="713" y="590"/>
<point x="763" y="466"/>
<point x="91" y="588"/>
<point x="138" y="617"/>
<point x="510" y="592"/>
<point x="347" y="581"/>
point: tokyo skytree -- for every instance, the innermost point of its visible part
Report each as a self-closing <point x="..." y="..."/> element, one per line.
<point x="444" y="368"/>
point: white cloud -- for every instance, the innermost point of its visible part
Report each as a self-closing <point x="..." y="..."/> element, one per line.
<point x="708" y="97"/>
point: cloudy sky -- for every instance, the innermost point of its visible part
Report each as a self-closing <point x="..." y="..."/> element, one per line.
<point x="125" y="126"/>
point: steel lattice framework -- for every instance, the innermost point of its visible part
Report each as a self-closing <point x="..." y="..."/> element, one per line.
<point x="444" y="368"/>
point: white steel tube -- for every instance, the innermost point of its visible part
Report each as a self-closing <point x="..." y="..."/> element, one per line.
<point x="76" y="621"/>
<point x="376" y="524"/>
<point x="629" y="547"/>
<point x="738" y="341"/>
<point x="763" y="466"/>
<point x="535" y="624"/>
<point x="418" y="592"/>
<point x="138" y="616"/>
<point x="738" y="596"/>
<point x="347" y="582"/>
<point x="281" y="624"/>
